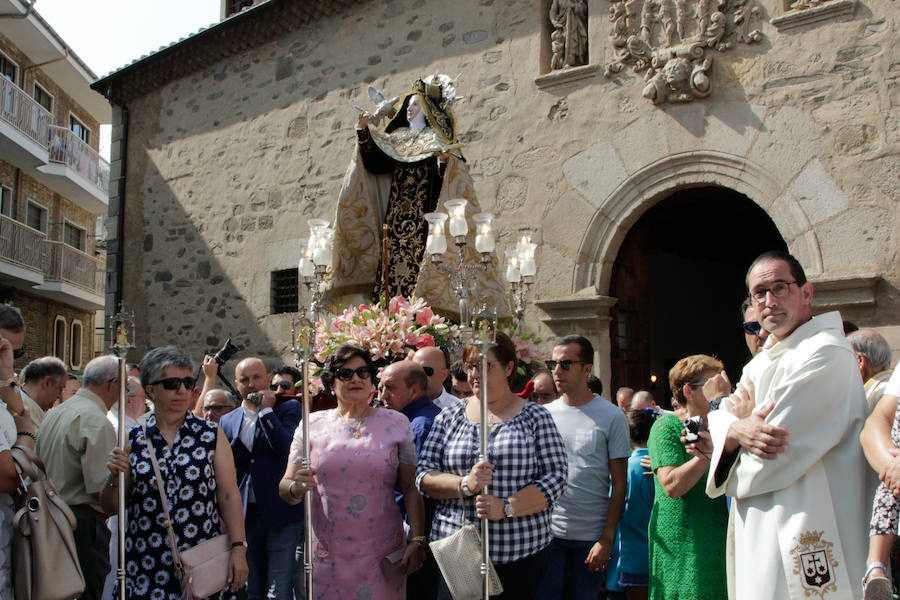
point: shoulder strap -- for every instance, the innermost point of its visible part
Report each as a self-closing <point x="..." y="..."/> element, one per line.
<point x="151" y="450"/>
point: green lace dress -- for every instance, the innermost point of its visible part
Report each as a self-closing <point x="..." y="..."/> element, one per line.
<point x="687" y="534"/>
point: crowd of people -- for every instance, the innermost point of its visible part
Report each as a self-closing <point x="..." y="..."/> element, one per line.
<point x="759" y="490"/>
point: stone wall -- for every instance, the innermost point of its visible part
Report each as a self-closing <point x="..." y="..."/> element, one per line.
<point x="225" y="166"/>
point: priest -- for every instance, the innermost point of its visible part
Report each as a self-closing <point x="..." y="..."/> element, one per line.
<point x="786" y="448"/>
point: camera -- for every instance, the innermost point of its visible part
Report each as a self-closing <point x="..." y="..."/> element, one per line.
<point x="254" y="398"/>
<point x="692" y="426"/>
<point x="226" y="353"/>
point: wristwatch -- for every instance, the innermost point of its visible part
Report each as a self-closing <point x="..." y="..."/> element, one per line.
<point x="465" y="487"/>
<point x="508" y="510"/>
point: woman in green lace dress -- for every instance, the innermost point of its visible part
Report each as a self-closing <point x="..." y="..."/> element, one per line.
<point x="687" y="528"/>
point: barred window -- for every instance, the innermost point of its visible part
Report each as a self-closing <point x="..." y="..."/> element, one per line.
<point x="284" y="291"/>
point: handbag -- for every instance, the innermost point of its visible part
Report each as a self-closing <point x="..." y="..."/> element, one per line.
<point x="45" y="561"/>
<point x="457" y="557"/>
<point x="202" y="569"/>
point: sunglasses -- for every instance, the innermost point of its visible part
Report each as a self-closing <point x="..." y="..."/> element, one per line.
<point x="19" y="353"/>
<point x="565" y="364"/>
<point x="282" y="385"/>
<point x="345" y="374"/>
<point x="428" y="371"/>
<point x="752" y="327"/>
<point x="172" y="383"/>
<point x="216" y="408"/>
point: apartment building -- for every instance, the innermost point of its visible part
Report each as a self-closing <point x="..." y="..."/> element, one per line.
<point x="54" y="189"/>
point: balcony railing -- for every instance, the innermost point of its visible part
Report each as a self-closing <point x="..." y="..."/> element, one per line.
<point x="69" y="149"/>
<point x="22" y="112"/>
<point x="20" y="244"/>
<point x="65" y="263"/>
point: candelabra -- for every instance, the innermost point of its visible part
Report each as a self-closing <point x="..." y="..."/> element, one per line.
<point x="121" y="327"/>
<point x="315" y="260"/>
<point x="463" y="276"/>
<point x="520" y="272"/>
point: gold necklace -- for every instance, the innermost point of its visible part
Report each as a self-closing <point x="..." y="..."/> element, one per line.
<point x="357" y="424"/>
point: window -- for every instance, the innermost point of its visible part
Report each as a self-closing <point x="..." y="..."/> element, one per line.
<point x="43" y="97"/>
<point x="59" y="338"/>
<point x="7" y="68"/>
<point x="76" y="339"/>
<point x="73" y="236"/>
<point x="80" y="130"/>
<point x="36" y="217"/>
<point x="6" y="201"/>
<point x="284" y="291"/>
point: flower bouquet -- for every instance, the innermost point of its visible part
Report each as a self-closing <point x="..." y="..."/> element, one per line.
<point x="529" y="357"/>
<point x="390" y="330"/>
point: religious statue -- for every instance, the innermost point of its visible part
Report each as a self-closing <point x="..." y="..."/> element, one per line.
<point x="568" y="42"/>
<point x="408" y="162"/>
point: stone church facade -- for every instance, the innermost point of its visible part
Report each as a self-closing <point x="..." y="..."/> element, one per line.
<point x="647" y="173"/>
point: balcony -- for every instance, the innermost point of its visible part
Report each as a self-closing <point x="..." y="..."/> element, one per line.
<point x="21" y="254"/>
<point x="73" y="276"/>
<point x="53" y="155"/>
<point x="76" y="170"/>
<point x="24" y="127"/>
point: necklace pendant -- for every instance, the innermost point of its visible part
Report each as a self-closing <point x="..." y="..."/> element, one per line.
<point x="356" y="433"/>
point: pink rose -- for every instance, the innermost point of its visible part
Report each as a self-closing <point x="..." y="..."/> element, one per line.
<point x="424" y="316"/>
<point x="424" y="340"/>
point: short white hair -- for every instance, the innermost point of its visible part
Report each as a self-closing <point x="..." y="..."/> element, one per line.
<point x="102" y="369"/>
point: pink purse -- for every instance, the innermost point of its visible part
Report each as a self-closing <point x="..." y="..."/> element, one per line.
<point x="203" y="569"/>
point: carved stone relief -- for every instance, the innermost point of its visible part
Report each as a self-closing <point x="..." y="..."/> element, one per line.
<point x="673" y="42"/>
<point x="568" y="41"/>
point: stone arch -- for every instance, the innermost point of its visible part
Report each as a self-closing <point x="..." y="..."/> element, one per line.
<point x="644" y="188"/>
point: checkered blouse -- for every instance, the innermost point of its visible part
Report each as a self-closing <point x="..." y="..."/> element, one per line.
<point x="524" y="450"/>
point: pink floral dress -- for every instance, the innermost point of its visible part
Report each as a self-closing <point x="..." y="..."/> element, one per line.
<point x="355" y="518"/>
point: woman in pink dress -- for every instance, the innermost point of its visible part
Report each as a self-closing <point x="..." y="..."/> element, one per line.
<point x="358" y="455"/>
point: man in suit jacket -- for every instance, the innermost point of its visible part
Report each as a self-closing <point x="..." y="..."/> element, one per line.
<point x="260" y="431"/>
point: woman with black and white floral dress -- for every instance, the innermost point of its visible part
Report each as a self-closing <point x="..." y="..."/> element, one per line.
<point x="197" y="469"/>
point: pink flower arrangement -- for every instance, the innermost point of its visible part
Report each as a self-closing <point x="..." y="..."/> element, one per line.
<point x="389" y="330"/>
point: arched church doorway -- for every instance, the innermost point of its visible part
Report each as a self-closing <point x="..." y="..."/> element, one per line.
<point x="679" y="283"/>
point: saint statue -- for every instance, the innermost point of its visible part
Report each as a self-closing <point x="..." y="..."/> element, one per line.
<point x="569" y="41"/>
<point x="408" y="167"/>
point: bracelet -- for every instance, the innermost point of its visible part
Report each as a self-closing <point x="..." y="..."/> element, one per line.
<point x="419" y="540"/>
<point x="237" y="544"/>
<point x="28" y="434"/>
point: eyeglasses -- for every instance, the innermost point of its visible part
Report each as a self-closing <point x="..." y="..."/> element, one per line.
<point x="565" y="364"/>
<point x="469" y="367"/>
<point x="216" y="408"/>
<point x="428" y="371"/>
<point x="282" y="385"/>
<point x="345" y="374"/>
<point x="779" y="289"/>
<point x="752" y="327"/>
<point x="172" y="383"/>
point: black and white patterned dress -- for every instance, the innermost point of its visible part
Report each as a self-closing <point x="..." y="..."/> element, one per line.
<point x="190" y="484"/>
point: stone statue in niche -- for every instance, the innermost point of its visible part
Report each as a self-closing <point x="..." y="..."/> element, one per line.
<point x="672" y="42"/>
<point x="568" y="41"/>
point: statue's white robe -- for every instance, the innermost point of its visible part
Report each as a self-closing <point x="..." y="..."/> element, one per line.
<point x="798" y="527"/>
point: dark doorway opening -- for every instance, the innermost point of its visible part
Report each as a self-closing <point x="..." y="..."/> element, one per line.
<point x="679" y="281"/>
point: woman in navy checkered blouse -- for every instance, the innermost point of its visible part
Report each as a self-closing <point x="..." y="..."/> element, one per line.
<point x="526" y="470"/>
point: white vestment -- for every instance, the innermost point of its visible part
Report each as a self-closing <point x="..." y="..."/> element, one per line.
<point x="798" y="527"/>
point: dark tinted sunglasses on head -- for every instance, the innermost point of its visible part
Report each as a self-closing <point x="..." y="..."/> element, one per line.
<point x="172" y="383"/>
<point x="752" y="327"/>
<point x="345" y="374"/>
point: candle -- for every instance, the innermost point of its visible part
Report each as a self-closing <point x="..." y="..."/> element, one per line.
<point x="527" y="266"/>
<point x="458" y="224"/>
<point x="436" y="243"/>
<point x="307" y="268"/>
<point x="484" y="238"/>
<point x="512" y="267"/>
